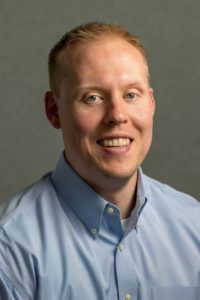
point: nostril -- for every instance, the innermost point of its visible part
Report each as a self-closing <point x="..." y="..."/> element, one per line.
<point x="115" y="119"/>
<point x="111" y="121"/>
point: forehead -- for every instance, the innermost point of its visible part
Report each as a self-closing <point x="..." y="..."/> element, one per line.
<point x="90" y="60"/>
<point x="82" y="49"/>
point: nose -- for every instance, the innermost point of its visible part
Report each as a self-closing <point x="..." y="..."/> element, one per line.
<point x="115" y="113"/>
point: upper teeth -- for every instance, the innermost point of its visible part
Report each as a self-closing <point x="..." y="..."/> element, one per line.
<point x="115" y="142"/>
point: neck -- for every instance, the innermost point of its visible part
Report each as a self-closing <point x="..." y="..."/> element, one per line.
<point x="121" y="195"/>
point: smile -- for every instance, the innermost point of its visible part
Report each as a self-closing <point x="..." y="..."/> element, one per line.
<point x="117" y="142"/>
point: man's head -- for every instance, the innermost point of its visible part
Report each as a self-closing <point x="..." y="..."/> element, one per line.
<point x="89" y="32"/>
<point x="102" y="101"/>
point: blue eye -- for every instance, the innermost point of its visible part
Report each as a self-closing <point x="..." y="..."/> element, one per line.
<point x="92" y="98"/>
<point x="131" y="96"/>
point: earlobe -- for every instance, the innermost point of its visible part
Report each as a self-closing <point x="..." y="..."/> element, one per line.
<point x="51" y="109"/>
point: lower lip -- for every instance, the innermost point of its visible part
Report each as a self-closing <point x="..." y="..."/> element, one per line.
<point x="116" y="150"/>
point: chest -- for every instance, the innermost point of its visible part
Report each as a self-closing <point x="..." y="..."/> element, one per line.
<point x="110" y="267"/>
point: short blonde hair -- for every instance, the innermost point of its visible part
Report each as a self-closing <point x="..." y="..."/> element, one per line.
<point x="89" y="32"/>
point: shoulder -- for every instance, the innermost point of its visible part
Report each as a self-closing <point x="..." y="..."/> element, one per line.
<point x="26" y="222"/>
<point x="172" y="204"/>
<point x="24" y="197"/>
<point x="24" y="210"/>
<point x="166" y="192"/>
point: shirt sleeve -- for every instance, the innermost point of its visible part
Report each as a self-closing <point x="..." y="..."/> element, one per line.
<point x="7" y="289"/>
<point x="17" y="270"/>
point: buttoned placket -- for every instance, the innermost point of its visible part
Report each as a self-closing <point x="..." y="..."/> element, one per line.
<point x="126" y="284"/>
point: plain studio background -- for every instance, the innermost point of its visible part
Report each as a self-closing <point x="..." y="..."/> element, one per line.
<point x="170" y="30"/>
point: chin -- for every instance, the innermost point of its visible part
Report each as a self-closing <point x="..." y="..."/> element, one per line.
<point x="119" y="173"/>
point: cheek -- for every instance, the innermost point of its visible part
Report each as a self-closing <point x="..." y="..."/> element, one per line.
<point x="143" y="120"/>
<point x="84" y="124"/>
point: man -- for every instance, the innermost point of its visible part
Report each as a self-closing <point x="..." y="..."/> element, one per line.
<point x="97" y="227"/>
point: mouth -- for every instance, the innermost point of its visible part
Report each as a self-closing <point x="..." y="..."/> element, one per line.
<point x="115" y="142"/>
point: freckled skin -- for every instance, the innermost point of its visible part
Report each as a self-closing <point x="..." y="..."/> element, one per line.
<point x="105" y="93"/>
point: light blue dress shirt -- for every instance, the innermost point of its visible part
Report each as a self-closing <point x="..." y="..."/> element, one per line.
<point x="59" y="240"/>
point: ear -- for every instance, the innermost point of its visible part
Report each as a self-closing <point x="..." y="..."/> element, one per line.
<point x="152" y="100"/>
<point x="51" y="109"/>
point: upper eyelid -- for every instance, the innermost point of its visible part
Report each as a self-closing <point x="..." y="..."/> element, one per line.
<point x="134" y="90"/>
<point x="136" y="93"/>
<point x="131" y="92"/>
<point x="93" y="95"/>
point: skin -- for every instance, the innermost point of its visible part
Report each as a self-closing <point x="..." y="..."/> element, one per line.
<point x="105" y="95"/>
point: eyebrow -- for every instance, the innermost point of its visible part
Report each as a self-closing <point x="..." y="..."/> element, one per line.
<point x="134" y="84"/>
<point x="80" y="89"/>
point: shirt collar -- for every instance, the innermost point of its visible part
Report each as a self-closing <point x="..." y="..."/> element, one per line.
<point x="84" y="201"/>
<point x="79" y="196"/>
<point x="141" y="200"/>
<point x="142" y="191"/>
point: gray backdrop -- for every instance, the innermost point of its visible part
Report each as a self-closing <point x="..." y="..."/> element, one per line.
<point x="170" y="30"/>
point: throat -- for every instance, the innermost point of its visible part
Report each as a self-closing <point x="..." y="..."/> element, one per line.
<point x="122" y="196"/>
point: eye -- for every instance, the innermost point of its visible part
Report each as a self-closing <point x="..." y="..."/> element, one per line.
<point x="131" y="96"/>
<point x="93" y="99"/>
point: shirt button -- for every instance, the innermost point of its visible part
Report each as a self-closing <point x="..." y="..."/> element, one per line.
<point x="128" y="297"/>
<point x="93" y="231"/>
<point x="110" y="210"/>
<point x="121" y="247"/>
